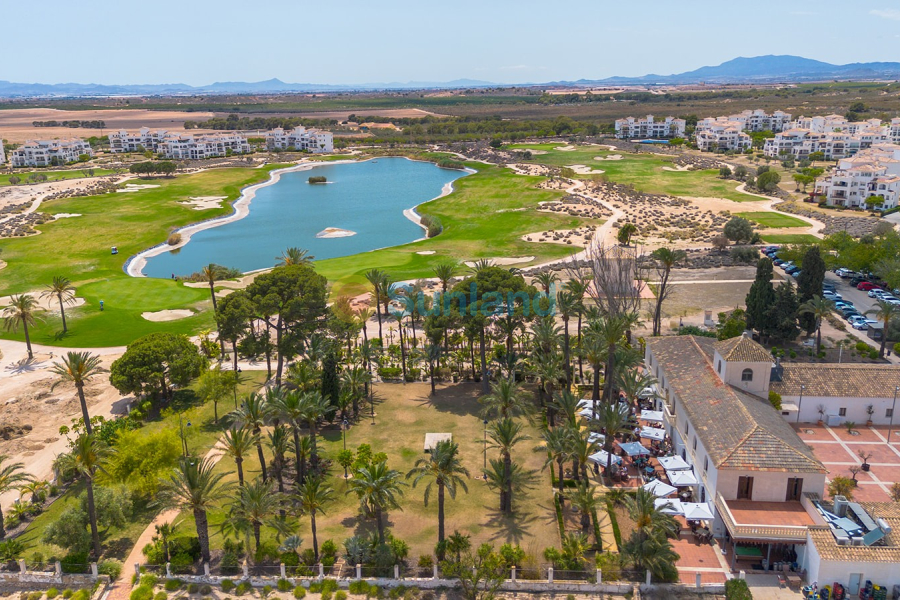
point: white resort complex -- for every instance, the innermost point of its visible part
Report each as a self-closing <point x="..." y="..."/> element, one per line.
<point x="300" y="138"/>
<point x="648" y="127"/>
<point x="727" y="133"/>
<point x="873" y="172"/>
<point x="179" y="145"/>
<point x="833" y="135"/>
<point x="45" y="153"/>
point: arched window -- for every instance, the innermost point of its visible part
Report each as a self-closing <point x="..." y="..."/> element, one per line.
<point x="747" y="375"/>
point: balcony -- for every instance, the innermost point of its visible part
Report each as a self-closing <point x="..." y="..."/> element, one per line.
<point x="747" y="520"/>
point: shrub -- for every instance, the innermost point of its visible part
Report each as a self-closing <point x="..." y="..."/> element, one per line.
<point x="67" y="593"/>
<point x="82" y="594"/>
<point x="242" y="588"/>
<point x="75" y="562"/>
<point x="326" y="595"/>
<point x="267" y="589"/>
<point x="299" y="592"/>
<point x="35" y="595"/>
<point x="111" y="568"/>
<point x="227" y="585"/>
<point x="141" y="592"/>
<point x="52" y="593"/>
<point x="374" y="591"/>
<point x="744" y="254"/>
<point x="174" y="239"/>
<point x="193" y="588"/>
<point x="340" y="595"/>
<point x="284" y="585"/>
<point x="329" y="548"/>
<point x="229" y="564"/>
<point x="736" y="589"/>
<point x="161" y="596"/>
<point x="149" y="579"/>
<point x="205" y="589"/>
<point x="426" y="561"/>
<point x="318" y="179"/>
<point x="873" y="354"/>
<point x="359" y="587"/>
<point x="862" y="347"/>
<point x="329" y="585"/>
<point x="172" y="584"/>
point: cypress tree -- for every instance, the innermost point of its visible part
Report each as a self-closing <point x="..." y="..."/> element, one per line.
<point x="781" y="323"/>
<point x="330" y="384"/>
<point x="761" y="296"/>
<point x="809" y="284"/>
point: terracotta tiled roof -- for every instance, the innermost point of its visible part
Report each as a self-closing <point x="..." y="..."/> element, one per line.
<point x="889" y="552"/>
<point x="839" y="380"/>
<point x="739" y="431"/>
<point x="742" y="349"/>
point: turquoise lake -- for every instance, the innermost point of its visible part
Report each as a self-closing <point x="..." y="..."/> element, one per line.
<point x="366" y="197"/>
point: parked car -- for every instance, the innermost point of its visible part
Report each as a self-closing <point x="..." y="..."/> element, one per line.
<point x="777" y="262"/>
<point x="867" y="286"/>
<point x="862" y="325"/>
<point x="796" y="273"/>
<point x="877" y="293"/>
<point x="792" y="269"/>
<point x="843" y="273"/>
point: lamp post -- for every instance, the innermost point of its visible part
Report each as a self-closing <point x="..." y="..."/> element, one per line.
<point x="184" y="445"/>
<point x="800" y="402"/>
<point x="344" y="425"/>
<point x="893" y="407"/>
<point x="484" y="468"/>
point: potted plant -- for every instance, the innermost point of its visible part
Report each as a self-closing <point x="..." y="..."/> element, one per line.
<point x="850" y="425"/>
<point x="865" y="456"/>
<point x="870" y="410"/>
<point x="821" y="410"/>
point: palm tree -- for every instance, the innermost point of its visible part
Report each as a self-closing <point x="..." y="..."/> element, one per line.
<point x="584" y="497"/>
<point x="649" y="518"/>
<point x="593" y="348"/>
<point x="504" y="434"/>
<point x="86" y="458"/>
<point x="12" y="475"/>
<point x="210" y="274"/>
<point x="378" y="489"/>
<point x="507" y="479"/>
<point x="444" y="272"/>
<point x="376" y="277"/>
<point x="63" y="290"/>
<point x="444" y="469"/>
<point x="294" y="256"/>
<point x="582" y="448"/>
<point x="314" y="408"/>
<point x="433" y="353"/>
<point x="195" y="487"/>
<point x="546" y="279"/>
<point x="290" y="410"/>
<point x="355" y="380"/>
<point x="165" y="532"/>
<point x="819" y="308"/>
<point x="254" y="414"/>
<point x="665" y="258"/>
<point x="21" y="309"/>
<point x="505" y="399"/>
<point x="556" y="444"/>
<point x="303" y="450"/>
<point x="632" y="382"/>
<point x="566" y="404"/>
<point x="613" y="421"/>
<point x="884" y="312"/>
<point x="278" y="442"/>
<point x="611" y="330"/>
<point x="79" y="368"/>
<point x="311" y="498"/>
<point x="36" y="489"/>
<point x="567" y="304"/>
<point x="238" y="442"/>
<point x="256" y="503"/>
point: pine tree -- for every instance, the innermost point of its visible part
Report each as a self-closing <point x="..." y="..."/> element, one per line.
<point x="781" y="323"/>
<point x="809" y="284"/>
<point x="761" y="296"/>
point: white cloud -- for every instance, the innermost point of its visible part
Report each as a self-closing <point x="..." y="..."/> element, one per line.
<point x="521" y="68"/>
<point x="886" y="13"/>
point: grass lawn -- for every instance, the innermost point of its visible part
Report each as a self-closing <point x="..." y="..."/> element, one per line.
<point x="79" y="248"/>
<point x="791" y="238"/>
<point x="773" y="220"/>
<point x="644" y="171"/>
<point x="403" y="417"/>
<point x="201" y="436"/>
<point x="480" y="221"/>
<point x="52" y="175"/>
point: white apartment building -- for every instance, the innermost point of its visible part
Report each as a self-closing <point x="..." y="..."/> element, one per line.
<point x="649" y="128"/>
<point x="2" y="153"/>
<point x="832" y="135"/>
<point x="721" y="134"/>
<point x="41" y="153"/>
<point x="300" y="138"/>
<point x="874" y="171"/>
<point x="179" y="145"/>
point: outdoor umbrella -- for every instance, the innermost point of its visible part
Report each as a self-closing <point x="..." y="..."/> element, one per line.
<point x="634" y="449"/>
<point x="697" y="511"/>
<point x="602" y="458"/>
<point x="675" y="509"/>
<point x="674" y="463"/>
<point x="653" y="433"/>
<point x="682" y="478"/>
<point x="655" y="416"/>
<point x="660" y="489"/>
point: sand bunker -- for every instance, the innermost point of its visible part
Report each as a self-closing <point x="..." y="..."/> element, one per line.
<point x="334" y="232"/>
<point x="66" y="215"/>
<point x="2" y="264"/>
<point x="136" y="187"/>
<point x="533" y="152"/>
<point x="678" y="169"/>
<point x="585" y="170"/>
<point x="167" y="315"/>
<point x="499" y="262"/>
<point x="567" y="148"/>
<point x="610" y="157"/>
<point x="504" y="210"/>
<point x="425" y="252"/>
<point x="204" y="202"/>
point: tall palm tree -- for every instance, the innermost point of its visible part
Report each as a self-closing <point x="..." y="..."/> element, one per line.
<point x="593" y="348"/>
<point x="256" y="503"/>
<point x="504" y="434"/>
<point x="614" y="421"/>
<point x="64" y="292"/>
<point x="278" y="443"/>
<point x="445" y="272"/>
<point x="556" y="444"/>
<point x="578" y="287"/>
<point x="505" y="400"/>
<point x="666" y="259"/>
<point x="355" y="379"/>
<point x="649" y="518"/>
<point x="379" y="489"/>
<point x="444" y="469"/>
<point x="238" y="443"/>
<point x="546" y="279"/>
<point x="78" y="368"/>
<point x="819" y="308"/>
<point x="611" y="330"/>
<point x="195" y="487"/>
<point x="253" y="414"/>
<point x="290" y="410"/>
<point x="567" y="304"/>
<point x="582" y="448"/>
<point x="12" y="475"/>
<point x="303" y="450"/>
<point x="433" y="353"/>
<point x="884" y="312"/>
<point x="210" y="274"/>
<point x="376" y="278"/>
<point x="86" y="458"/>
<point x="315" y="408"/>
<point x="294" y="256"/>
<point x="632" y="382"/>
<point x="547" y="367"/>
<point x="584" y="497"/>
<point x="507" y="479"/>
<point x="21" y="309"/>
<point x="312" y="497"/>
<point x="566" y="404"/>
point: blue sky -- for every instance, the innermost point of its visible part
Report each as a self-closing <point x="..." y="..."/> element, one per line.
<point x="353" y="41"/>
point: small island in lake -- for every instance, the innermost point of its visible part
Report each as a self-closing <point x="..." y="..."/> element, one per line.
<point x="334" y="232"/>
<point x="318" y="179"/>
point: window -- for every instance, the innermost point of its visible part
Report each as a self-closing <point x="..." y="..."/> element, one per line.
<point x="889" y="413"/>
<point x="747" y="375"/>
<point x="842" y="412"/>
<point x="745" y="488"/>
<point x="687" y="427"/>
<point x="719" y="368"/>
<point x="794" y="489"/>
<point x="705" y="464"/>
<point x="695" y="442"/>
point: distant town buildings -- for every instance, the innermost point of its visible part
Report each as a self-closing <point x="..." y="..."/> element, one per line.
<point x="2" y="154"/>
<point x="179" y="145"/>
<point x="832" y="135"/>
<point x="874" y="171"/>
<point x="721" y="134"/>
<point x="45" y="153"/>
<point x="300" y="138"/>
<point x="649" y="128"/>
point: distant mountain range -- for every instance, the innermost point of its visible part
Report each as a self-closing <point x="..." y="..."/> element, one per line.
<point x="759" y="69"/>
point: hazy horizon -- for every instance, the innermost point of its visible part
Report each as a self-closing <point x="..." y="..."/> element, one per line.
<point x="201" y="42"/>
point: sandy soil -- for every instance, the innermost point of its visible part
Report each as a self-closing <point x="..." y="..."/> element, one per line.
<point x="136" y="187"/>
<point x="335" y="232"/>
<point x="678" y="169"/>
<point x="17" y="194"/>
<point x="423" y="252"/>
<point x="167" y="315"/>
<point x="204" y="202"/>
<point x="2" y="264"/>
<point x="500" y="261"/>
<point x="66" y="215"/>
<point x="46" y="303"/>
<point x="610" y="157"/>
<point x="586" y="170"/>
<point x="16" y="123"/>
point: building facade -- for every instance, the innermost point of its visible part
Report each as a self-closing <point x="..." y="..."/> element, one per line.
<point x="832" y="135"/>
<point x="873" y="172"/>
<point x="181" y="146"/>
<point x="45" y="153"/>
<point x="300" y="138"/>
<point x="721" y="133"/>
<point x="649" y="128"/>
<point x="2" y="153"/>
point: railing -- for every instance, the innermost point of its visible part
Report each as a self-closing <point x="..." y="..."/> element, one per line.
<point x="758" y="532"/>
